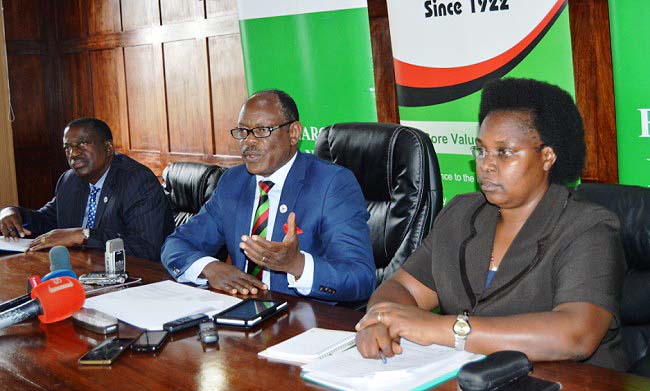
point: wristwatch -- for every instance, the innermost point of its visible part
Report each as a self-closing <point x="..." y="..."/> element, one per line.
<point x="461" y="330"/>
<point x="86" y="233"/>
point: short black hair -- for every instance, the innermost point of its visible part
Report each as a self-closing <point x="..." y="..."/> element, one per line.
<point x="555" y="117"/>
<point x="96" y="125"/>
<point x="289" y="107"/>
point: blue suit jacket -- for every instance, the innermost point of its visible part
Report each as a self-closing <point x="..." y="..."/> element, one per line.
<point x="132" y="206"/>
<point x="329" y="208"/>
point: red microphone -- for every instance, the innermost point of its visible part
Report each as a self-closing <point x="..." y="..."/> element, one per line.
<point x="52" y="300"/>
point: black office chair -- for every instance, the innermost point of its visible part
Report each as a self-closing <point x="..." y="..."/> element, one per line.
<point x="398" y="171"/>
<point x="632" y="205"/>
<point x="189" y="185"/>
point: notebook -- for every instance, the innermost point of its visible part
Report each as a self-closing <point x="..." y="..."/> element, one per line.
<point x="417" y="368"/>
<point x="311" y="345"/>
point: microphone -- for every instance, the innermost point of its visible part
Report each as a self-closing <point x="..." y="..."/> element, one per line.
<point x="60" y="267"/>
<point x="52" y="301"/>
<point x="59" y="258"/>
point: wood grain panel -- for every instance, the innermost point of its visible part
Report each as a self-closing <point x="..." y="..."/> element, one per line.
<point x="28" y="100"/>
<point x="188" y="97"/>
<point x="141" y="88"/>
<point x="216" y="8"/>
<point x="9" y="189"/>
<point x="35" y="169"/>
<point x="77" y="98"/>
<point x="592" y="63"/>
<point x="139" y="13"/>
<point x="72" y="18"/>
<point x="103" y="16"/>
<point x="24" y="19"/>
<point x="176" y="11"/>
<point x="228" y="90"/>
<point x="109" y="91"/>
<point x="382" y="58"/>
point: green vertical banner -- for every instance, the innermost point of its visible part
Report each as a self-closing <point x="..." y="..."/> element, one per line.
<point x="630" y="29"/>
<point x="318" y="51"/>
<point x="444" y="51"/>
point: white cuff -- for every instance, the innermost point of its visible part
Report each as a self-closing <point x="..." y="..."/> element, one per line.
<point x="303" y="285"/>
<point x="192" y="273"/>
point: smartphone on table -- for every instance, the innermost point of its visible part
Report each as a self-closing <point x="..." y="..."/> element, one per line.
<point x="106" y="352"/>
<point x="150" y="341"/>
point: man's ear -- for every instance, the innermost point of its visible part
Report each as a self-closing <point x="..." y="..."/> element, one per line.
<point x="295" y="131"/>
<point x="110" y="148"/>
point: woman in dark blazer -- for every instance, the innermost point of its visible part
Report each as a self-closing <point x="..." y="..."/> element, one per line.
<point x="521" y="265"/>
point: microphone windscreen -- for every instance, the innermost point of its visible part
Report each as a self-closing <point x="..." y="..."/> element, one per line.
<point x="59" y="273"/>
<point x="59" y="298"/>
<point x="60" y="258"/>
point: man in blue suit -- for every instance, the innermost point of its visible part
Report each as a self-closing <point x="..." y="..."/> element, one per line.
<point x="309" y="235"/>
<point x="103" y="196"/>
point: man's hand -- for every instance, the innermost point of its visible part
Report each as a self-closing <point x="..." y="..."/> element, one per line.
<point x="58" y="237"/>
<point x="11" y="224"/>
<point x="230" y="279"/>
<point x="282" y="256"/>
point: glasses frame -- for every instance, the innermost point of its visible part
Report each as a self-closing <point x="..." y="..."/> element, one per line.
<point x="265" y="129"/>
<point x="474" y="151"/>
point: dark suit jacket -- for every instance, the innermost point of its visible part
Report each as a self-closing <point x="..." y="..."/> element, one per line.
<point x="131" y="206"/>
<point x="329" y="208"/>
<point x="567" y="251"/>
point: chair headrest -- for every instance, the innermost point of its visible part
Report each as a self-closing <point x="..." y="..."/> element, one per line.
<point x="190" y="184"/>
<point x="632" y="205"/>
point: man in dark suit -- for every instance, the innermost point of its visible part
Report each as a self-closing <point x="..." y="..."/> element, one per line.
<point x="103" y="196"/>
<point x="309" y="235"/>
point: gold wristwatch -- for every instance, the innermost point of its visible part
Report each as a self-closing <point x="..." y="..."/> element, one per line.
<point x="461" y="330"/>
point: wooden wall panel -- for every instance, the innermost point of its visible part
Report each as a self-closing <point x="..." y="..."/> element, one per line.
<point x="188" y="97"/>
<point x="77" y="96"/>
<point x="176" y="11"/>
<point x="109" y="92"/>
<point x="8" y="190"/>
<point x="72" y="19"/>
<point x="216" y="8"/>
<point x="228" y="90"/>
<point x="592" y="63"/>
<point x="139" y="13"/>
<point x="25" y="20"/>
<point x="141" y="87"/>
<point x="28" y="99"/>
<point x="104" y="16"/>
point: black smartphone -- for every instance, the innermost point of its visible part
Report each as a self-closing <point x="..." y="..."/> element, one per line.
<point x="150" y="341"/>
<point x="106" y="352"/>
<point x="249" y="312"/>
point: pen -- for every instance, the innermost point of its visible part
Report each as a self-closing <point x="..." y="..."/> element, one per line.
<point x="383" y="358"/>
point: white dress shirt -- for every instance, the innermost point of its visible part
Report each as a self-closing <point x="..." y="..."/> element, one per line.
<point x="304" y="284"/>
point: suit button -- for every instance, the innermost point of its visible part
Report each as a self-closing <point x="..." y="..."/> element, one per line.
<point x="177" y="271"/>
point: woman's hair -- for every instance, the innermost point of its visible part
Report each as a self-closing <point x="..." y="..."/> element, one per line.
<point x="554" y="116"/>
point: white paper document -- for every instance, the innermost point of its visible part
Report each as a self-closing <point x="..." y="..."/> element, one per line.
<point x="20" y="246"/>
<point x="150" y="306"/>
<point x="311" y="345"/>
<point x="419" y="366"/>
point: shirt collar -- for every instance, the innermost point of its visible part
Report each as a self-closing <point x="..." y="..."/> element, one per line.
<point x="101" y="180"/>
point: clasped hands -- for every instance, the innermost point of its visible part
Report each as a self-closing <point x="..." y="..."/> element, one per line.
<point x="11" y="226"/>
<point x="380" y="329"/>
<point x="282" y="256"/>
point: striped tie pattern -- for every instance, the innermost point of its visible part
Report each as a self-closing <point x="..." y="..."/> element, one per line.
<point x="260" y="222"/>
<point x="92" y="207"/>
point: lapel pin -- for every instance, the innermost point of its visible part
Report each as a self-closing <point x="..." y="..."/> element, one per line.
<point x="105" y="199"/>
<point x="283" y="208"/>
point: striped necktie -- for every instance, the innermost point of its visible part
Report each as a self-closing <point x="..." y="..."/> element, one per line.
<point x="260" y="222"/>
<point x="92" y="207"/>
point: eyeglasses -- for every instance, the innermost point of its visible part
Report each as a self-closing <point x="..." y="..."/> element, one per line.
<point x="259" y="132"/>
<point x="82" y="145"/>
<point x="502" y="154"/>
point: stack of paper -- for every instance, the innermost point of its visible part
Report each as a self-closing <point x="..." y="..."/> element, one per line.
<point x="19" y="246"/>
<point x="150" y="306"/>
<point x="419" y="367"/>
<point x="311" y="345"/>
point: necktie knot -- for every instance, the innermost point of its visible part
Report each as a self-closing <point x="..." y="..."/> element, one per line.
<point x="265" y="187"/>
<point x="93" y="191"/>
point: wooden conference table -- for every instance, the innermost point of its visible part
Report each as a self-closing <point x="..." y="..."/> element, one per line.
<point x="36" y="356"/>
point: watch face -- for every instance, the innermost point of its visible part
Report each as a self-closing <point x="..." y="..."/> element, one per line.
<point x="461" y="328"/>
